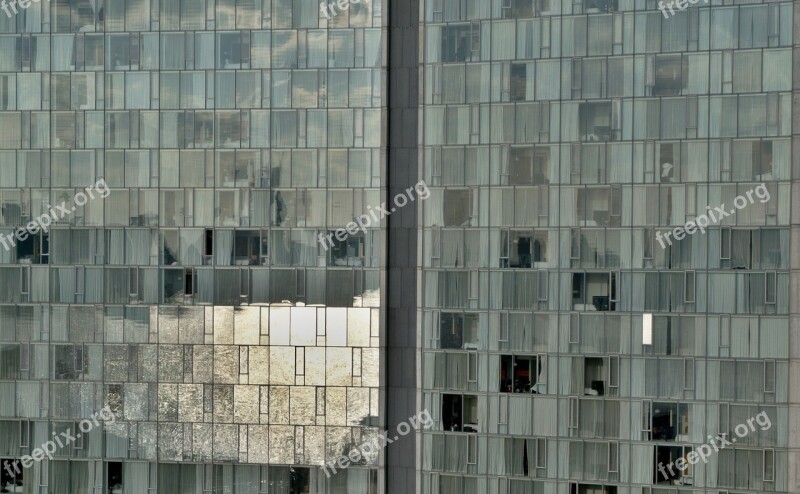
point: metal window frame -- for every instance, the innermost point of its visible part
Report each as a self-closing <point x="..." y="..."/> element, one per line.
<point x="576" y="329"/>
<point x="472" y="363"/>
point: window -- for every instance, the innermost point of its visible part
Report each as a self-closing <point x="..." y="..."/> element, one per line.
<point x="233" y="50"/>
<point x="752" y="160"/>
<point x="460" y="413"/>
<point x="671" y="75"/>
<point x="115" y="481"/>
<point x="12" y="477"/>
<point x="173" y="285"/>
<point x="521" y="85"/>
<point x="593" y="291"/>
<point x="460" y="42"/>
<point x="246" y="245"/>
<point x="529" y="166"/>
<point x="34" y="249"/>
<point x="347" y="252"/>
<point x="458" y="331"/>
<point x="523" y="249"/>
<point x="596" y="6"/>
<point x="518" y="8"/>
<point x="670" y="421"/>
<point x="69" y="362"/>
<point x="595" y="121"/>
<point x="457" y="207"/>
<point x="520" y="373"/>
<point x="594" y="207"/>
<point x="594" y="379"/>
<point x="667" y="456"/>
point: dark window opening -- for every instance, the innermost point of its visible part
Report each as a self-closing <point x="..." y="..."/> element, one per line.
<point x="519" y="82"/>
<point x="457" y="43"/>
<point x="518" y="8"/>
<point x="595" y="121"/>
<point x="173" y="285"/>
<point x="592" y="489"/>
<point x="348" y="252"/>
<point x="11" y="475"/>
<point x="671" y="74"/>
<point x="458" y="331"/>
<point x="460" y="413"/>
<point x="34" y="249"/>
<point x="115" y="483"/>
<point x="457" y="207"/>
<point x="525" y="250"/>
<point x="69" y="362"/>
<point x="209" y="242"/>
<point x="665" y="471"/>
<point x="762" y="160"/>
<point x="670" y="422"/>
<point x="594" y="376"/>
<point x="246" y="245"/>
<point x="519" y="374"/>
<point x="597" y="6"/>
<point x="188" y="285"/>
<point x="593" y="291"/>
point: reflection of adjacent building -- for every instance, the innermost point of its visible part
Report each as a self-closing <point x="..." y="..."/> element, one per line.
<point x="276" y="384"/>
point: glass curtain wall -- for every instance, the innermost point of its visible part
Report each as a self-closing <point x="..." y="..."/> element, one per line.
<point x="564" y="348"/>
<point x="191" y="294"/>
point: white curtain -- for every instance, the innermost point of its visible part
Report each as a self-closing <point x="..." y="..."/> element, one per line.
<point x="61" y="49"/>
<point x="223" y="248"/>
<point x="135" y="477"/>
<point x="116" y="246"/>
<point x="137" y="247"/>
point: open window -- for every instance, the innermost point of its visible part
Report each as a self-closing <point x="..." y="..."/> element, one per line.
<point x="521" y="82"/>
<point x="523" y="249"/>
<point x="520" y="373"/>
<point x="594" y="206"/>
<point x="246" y="248"/>
<point x="597" y="6"/>
<point x="518" y="8"/>
<point x="457" y="207"/>
<point x="348" y="252"/>
<point x="594" y="376"/>
<point x="175" y="284"/>
<point x="594" y="291"/>
<point x="671" y="74"/>
<point x="34" y="249"/>
<point x="669" y="155"/>
<point x="595" y="121"/>
<point x="115" y="480"/>
<point x="282" y="479"/>
<point x="459" y="41"/>
<point x="529" y="165"/>
<point x="666" y="472"/>
<point x="12" y="475"/>
<point x="460" y="413"/>
<point x="753" y="160"/>
<point x="669" y="421"/>
<point x="458" y="331"/>
<point x="69" y="362"/>
<point x="575" y="488"/>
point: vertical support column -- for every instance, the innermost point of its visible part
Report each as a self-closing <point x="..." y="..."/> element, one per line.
<point x="794" y="282"/>
<point x="402" y="341"/>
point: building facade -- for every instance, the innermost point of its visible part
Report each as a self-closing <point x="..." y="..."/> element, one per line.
<point x="564" y="349"/>
<point x="236" y="352"/>
<point x="540" y="304"/>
